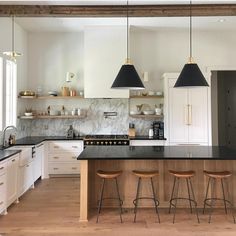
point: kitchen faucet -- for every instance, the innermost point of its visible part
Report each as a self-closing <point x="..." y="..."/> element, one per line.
<point x="4" y="133"/>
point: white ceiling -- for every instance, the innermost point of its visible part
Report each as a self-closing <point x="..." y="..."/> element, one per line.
<point x="109" y="2"/>
<point x="44" y="24"/>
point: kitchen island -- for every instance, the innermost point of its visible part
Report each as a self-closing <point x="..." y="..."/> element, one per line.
<point x="161" y="158"/>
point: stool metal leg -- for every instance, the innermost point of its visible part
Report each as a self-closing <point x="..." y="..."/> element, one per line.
<point x="212" y="200"/>
<point x="195" y="203"/>
<point x="136" y="202"/>
<point x="223" y="191"/>
<point x="208" y="184"/>
<point x="154" y="196"/>
<point x="100" y="201"/>
<point x="177" y="194"/>
<point x="120" y="205"/>
<point x="190" y="203"/>
<point x="172" y="193"/>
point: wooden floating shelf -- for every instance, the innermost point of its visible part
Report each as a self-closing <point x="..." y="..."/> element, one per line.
<point x="148" y="96"/>
<point x="50" y="97"/>
<point x="51" y="117"/>
<point x="147" y="116"/>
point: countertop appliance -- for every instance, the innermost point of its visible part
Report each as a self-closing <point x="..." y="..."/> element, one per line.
<point x="158" y="130"/>
<point x="104" y="140"/>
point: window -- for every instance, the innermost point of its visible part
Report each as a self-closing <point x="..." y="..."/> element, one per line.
<point x="8" y="86"/>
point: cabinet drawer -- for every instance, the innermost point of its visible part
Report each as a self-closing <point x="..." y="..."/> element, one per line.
<point x="64" y="168"/>
<point x="63" y="157"/>
<point x="66" y="146"/>
<point x="3" y="167"/>
<point x="2" y="192"/>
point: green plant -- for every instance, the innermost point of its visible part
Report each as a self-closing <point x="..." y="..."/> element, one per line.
<point x="28" y="110"/>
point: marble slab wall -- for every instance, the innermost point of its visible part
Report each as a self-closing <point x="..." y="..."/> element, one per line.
<point x="94" y="123"/>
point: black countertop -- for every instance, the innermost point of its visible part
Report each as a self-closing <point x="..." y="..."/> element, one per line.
<point x="157" y="153"/>
<point x="4" y="154"/>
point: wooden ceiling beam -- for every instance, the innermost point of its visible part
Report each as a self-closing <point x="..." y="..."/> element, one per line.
<point x="117" y="10"/>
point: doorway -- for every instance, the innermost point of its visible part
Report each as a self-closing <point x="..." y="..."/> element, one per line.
<point x="223" y="92"/>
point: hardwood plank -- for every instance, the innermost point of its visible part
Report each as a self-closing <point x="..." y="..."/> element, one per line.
<point x="117" y="10"/>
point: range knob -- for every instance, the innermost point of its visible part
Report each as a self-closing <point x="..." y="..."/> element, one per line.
<point x="114" y="142"/>
<point x="87" y="142"/>
<point x="110" y="142"/>
<point x="91" y="142"/>
<point x="106" y="142"/>
<point x="125" y="142"/>
<point x="102" y="142"/>
<point x="97" y="143"/>
<point x="119" y="142"/>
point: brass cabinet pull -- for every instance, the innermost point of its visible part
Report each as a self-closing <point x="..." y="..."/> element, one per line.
<point x="74" y="157"/>
<point x="1" y="168"/>
<point x="56" y="157"/>
<point x="27" y="166"/>
<point x="1" y="183"/>
<point x="55" y="168"/>
<point x="56" y="146"/>
<point x="74" y="146"/>
<point x="1" y="203"/>
<point x="74" y="168"/>
<point x="13" y="160"/>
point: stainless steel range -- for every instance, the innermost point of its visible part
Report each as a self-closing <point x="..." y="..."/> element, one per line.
<point x="106" y="140"/>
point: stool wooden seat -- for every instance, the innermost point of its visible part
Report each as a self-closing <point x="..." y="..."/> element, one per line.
<point x="109" y="174"/>
<point x="146" y="174"/>
<point x="220" y="178"/>
<point x="182" y="174"/>
<point x="217" y="174"/>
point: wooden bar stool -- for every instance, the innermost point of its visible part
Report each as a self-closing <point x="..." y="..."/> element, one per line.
<point x="141" y="175"/>
<point x="184" y="175"/>
<point x="213" y="178"/>
<point x="109" y="175"/>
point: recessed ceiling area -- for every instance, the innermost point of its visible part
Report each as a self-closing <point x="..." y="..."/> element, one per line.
<point x="45" y="24"/>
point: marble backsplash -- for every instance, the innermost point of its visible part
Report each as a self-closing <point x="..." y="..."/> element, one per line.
<point x="94" y="123"/>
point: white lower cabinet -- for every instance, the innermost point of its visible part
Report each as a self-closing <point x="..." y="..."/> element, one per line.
<point x="3" y="190"/>
<point x="12" y="179"/>
<point x="62" y="157"/>
<point x="147" y="142"/>
<point x="37" y="161"/>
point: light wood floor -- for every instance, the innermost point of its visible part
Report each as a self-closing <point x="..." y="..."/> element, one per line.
<point x="52" y="208"/>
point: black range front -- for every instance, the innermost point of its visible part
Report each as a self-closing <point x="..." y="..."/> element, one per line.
<point x="106" y="140"/>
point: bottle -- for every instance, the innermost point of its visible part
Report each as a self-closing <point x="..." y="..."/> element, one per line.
<point x="150" y="132"/>
<point x="70" y="132"/>
<point x="10" y="140"/>
<point x="131" y="132"/>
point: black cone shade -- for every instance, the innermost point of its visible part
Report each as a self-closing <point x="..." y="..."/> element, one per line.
<point x="191" y="76"/>
<point x="127" y="78"/>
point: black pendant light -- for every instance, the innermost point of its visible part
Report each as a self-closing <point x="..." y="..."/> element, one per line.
<point x="127" y="77"/>
<point x="191" y="75"/>
<point x="13" y="54"/>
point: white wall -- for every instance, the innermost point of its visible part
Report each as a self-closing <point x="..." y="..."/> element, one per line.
<point x="168" y="50"/>
<point x="51" y="55"/>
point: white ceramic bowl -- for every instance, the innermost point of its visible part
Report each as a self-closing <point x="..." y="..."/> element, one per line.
<point x="52" y="93"/>
<point x="151" y="93"/>
<point x="28" y="113"/>
<point x="149" y="112"/>
<point x="159" y="93"/>
<point x="158" y="111"/>
<point x="135" y="112"/>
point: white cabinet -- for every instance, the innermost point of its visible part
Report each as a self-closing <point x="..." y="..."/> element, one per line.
<point x="12" y="179"/>
<point x="62" y="157"/>
<point x="26" y="179"/>
<point x="37" y="161"/>
<point x="147" y="142"/>
<point x="104" y="54"/>
<point x="3" y="190"/>
<point x="186" y="113"/>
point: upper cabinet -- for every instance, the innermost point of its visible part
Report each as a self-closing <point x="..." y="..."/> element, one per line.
<point x="104" y="54"/>
<point x="186" y="113"/>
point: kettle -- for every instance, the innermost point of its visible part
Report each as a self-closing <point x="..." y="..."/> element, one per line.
<point x="65" y="91"/>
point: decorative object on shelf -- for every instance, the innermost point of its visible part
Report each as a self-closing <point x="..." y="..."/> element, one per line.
<point x="145" y="76"/>
<point x="159" y="93"/>
<point x="69" y="76"/>
<point x="52" y="93"/>
<point x="70" y="132"/>
<point x="148" y="112"/>
<point x="127" y="77"/>
<point x="13" y="54"/>
<point x="72" y="92"/>
<point x="28" y="112"/>
<point x="151" y="93"/>
<point x="27" y="93"/>
<point x="65" y="91"/>
<point x="191" y="75"/>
